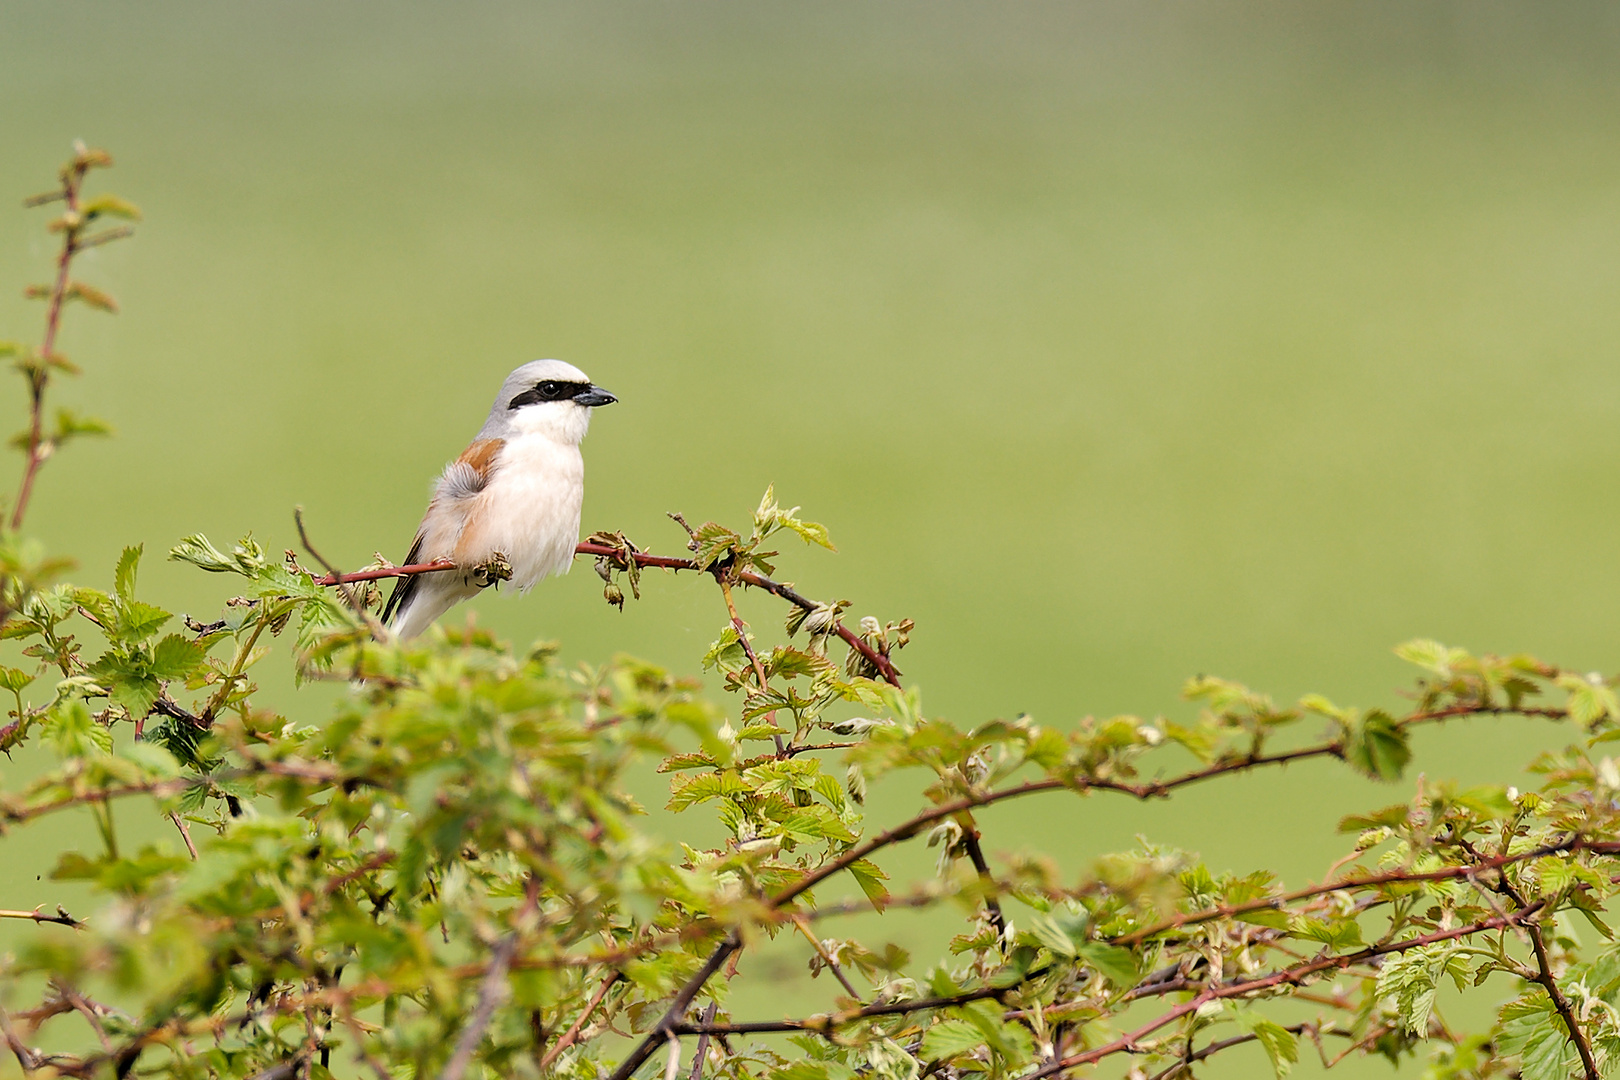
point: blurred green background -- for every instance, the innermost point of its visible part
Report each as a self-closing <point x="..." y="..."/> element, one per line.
<point x="1115" y="342"/>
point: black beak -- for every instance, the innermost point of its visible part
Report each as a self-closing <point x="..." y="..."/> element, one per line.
<point x="592" y="396"/>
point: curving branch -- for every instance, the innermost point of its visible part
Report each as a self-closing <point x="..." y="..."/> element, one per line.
<point x="1292" y="976"/>
<point x="1544" y="974"/>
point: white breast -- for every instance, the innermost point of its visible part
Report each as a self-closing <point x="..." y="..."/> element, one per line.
<point x="530" y="510"/>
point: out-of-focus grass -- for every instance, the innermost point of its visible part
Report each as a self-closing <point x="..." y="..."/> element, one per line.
<point x="1114" y="342"/>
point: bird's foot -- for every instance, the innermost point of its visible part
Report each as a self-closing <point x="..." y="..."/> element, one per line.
<point x="496" y="568"/>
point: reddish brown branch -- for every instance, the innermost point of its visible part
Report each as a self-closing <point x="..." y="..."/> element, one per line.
<point x="676" y="1013"/>
<point x="72" y="179"/>
<point x="571" y="1036"/>
<point x="662" y="562"/>
<point x="1544" y="975"/>
<point x="1485" y="862"/>
<point x="386" y="572"/>
<point x="1292" y="976"/>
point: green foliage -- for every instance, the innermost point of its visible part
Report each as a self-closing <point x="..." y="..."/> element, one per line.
<point x="441" y="874"/>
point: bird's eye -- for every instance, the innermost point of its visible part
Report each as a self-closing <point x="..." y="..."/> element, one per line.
<point x="550" y="389"/>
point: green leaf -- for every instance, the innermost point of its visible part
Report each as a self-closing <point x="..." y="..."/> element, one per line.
<point x="139" y="621"/>
<point x="137" y="693"/>
<point x="1412" y="979"/>
<point x="74" y="732"/>
<point x="870" y="878"/>
<point x="1531" y="1029"/>
<point x="124" y="576"/>
<point x="1047" y="748"/>
<point x="90" y="295"/>
<point x="1376" y="746"/>
<point x="247" y="558"/>
<point x="110" y="206"/>
<point x="1280" y="1044"/>
<point x="950" y="1038"/>
<point x="1334" y="933"/>
<point x="70" y="424"/>
<point x="1432" y="656"/>
<point x="175" y="657"/>
<point x="152" y="759"/>
<point x="1490" y="803"/>
<point x="1116" y="964"/>
<point x="13" y="679"/>
<point x="811" y="532"/>
<point x="1590" y="699"/>
<point x="1045" y="931"/>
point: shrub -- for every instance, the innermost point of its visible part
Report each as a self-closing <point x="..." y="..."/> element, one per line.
<point x="445" y="877"/>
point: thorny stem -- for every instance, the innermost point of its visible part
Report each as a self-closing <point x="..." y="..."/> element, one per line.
<point x="61" y="918"/>
<point x="332" y="572"/>
<point x="571" y="1036"/>
<point x="827" y="1023"/>
<point x="72" y="181"/>
<point x="1210" y="1050"/>
<point x="671" y="1022"/>
<point x="753" y="658"/>
<point x="664" y="562"/>
<point x="1544" y="974"/>
<point x="826" y="957"/>
<point x="1285" y="977"/>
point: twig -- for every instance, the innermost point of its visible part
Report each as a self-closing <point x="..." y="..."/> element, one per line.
<point x="491" y="992"/>
<point x="826" y="957"/>
<point x="27" y="1058"/>
<point x="1285" y="977"/>
<point x="1544" y="975"/>
<point x="1398" y="877"/>
<point x="753" y="658"/>
<point x="672" y="1067"/>
<point x="1214" y="1048"/>
<point x="383" y="572"/>
<point x="361" y="1054"/>
<point x="992" y="906"/>
<point x="569" y="1037"/>
<point x="185" y="834"/>
<point x="72" y="181"/>
<point x="91" y="1011"/>
<point x="174" y="711"/>
<point x="281" y="1070"/>
<point x="376" y="628"/>
<point x="61" y="918"/>
<point x="703" y="1042"/>
<point x="643" y="559"/>
<point x="671" y="1022"/>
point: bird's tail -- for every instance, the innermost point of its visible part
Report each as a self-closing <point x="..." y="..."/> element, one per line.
<point x="427" y="602"/>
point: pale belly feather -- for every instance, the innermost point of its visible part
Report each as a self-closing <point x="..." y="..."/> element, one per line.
<point x="529" y="512"/>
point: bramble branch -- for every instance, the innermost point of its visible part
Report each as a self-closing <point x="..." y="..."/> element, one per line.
<point x="1292" y="976"/>
<point x="75" y="219"/>
<point x="1544" y="975"/>
<point x="644" y="560"/>
<point x="61" y="918"/>
<point x="829" y="1022"/>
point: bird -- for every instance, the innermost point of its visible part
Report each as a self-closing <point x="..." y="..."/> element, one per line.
<point x="514" y="493"/>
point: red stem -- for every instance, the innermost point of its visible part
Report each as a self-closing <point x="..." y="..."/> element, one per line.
<point x="71" y="179"/>
<point x="663" y="562"/>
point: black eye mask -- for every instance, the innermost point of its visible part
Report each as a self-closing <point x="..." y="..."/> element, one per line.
<point x="550" y="390"/>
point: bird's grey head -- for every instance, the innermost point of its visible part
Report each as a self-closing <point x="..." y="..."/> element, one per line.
<point x="545" y="397"/>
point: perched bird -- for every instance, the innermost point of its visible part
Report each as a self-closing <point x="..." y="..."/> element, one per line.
<point x="514" y="493"/>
